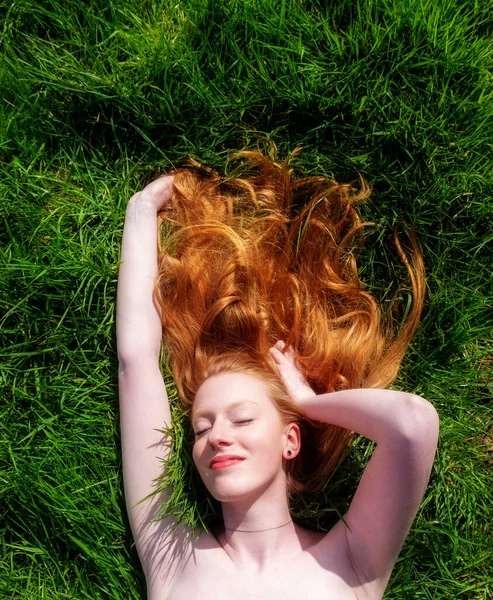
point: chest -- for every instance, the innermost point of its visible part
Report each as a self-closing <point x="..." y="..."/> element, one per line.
<point x="304" y="580"/>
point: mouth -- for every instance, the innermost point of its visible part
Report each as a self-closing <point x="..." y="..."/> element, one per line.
<point x="225" y="463"/>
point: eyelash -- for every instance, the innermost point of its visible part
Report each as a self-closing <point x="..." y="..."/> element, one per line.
<point x="199" y="433"/>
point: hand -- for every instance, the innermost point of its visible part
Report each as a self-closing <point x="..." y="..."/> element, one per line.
<point x="294" y="380"/>
<point x="157" y="193"/>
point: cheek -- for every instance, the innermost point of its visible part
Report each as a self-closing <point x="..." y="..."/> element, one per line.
<point x="266" y="440"/>
<point x="196" y="451"/>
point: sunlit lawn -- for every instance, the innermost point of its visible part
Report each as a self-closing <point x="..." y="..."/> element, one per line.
<point x="99" y="97"/>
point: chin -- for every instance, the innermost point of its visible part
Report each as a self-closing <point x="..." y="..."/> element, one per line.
<point x="228" y="489"/>
<point x="233" y="494"/>
<point x="237" y="490"/>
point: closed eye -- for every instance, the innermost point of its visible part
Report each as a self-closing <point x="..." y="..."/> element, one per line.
<point x="199" y="433"/>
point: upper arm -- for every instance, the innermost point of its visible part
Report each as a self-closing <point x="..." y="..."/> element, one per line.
<point x="144" y="408"/>
<point x="390" y="493"/>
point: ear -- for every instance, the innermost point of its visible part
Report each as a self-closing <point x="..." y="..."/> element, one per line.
<point x="292" y="441"/>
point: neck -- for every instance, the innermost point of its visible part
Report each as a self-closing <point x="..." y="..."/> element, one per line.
<point x="257" y="532"/>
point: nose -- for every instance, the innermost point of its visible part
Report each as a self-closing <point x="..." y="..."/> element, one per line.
<point x="219" y="434"/>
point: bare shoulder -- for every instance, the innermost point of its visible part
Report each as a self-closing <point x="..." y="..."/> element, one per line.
<point x="202" y="568"/>
<point x="332" y="552"/>
<point x="169" y="551"/>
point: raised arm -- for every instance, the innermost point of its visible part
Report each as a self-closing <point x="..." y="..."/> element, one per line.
<point x="144" y="406"/>
<point x="138" y="323"/>
<point x="405" y="429"/>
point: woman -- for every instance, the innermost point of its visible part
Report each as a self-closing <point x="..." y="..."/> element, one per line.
<point x="240" y="273"/>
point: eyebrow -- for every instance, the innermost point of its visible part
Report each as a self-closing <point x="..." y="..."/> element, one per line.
<point x="204" y="413"/>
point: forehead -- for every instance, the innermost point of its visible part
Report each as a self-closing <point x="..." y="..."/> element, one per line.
<point x="220" y="391"/>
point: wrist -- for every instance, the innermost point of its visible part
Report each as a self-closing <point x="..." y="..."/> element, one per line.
<point x="305" y="400"/>
<point x="155" y="196"/>
<point x="141" y="201"/>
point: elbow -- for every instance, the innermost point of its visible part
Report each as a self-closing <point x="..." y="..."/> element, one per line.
<point x="133" y="359"/>
<point x="420" y="420"/>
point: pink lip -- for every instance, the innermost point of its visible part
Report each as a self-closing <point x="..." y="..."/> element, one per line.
<point x="224" y="461"/>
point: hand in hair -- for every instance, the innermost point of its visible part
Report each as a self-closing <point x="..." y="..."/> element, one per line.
<point x="157" y="193"/>
<point x="296" y="384"/>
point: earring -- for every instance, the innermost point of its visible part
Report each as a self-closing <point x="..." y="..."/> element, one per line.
<point x="289" y="453"/>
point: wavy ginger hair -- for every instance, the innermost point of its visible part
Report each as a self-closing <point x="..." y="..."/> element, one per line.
<point x="239" y="269"/>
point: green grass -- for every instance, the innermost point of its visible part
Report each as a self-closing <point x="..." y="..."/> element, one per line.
<point x="97" y="97"/>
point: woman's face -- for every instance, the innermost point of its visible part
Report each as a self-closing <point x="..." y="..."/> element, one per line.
<point x="233" y="416"/>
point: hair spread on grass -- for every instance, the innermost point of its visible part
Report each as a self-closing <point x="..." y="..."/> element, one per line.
<point x="241" y="267"/>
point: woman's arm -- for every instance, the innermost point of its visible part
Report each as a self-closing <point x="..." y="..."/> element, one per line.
<point x="144" y="406"/>
<point x="405" y="429"/>
<point x="138" y="322"/>
<point x="143" y="399"/>
<point x="383" y="416"/>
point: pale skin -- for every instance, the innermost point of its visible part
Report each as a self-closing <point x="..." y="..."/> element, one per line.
<point x="232" y="414"/>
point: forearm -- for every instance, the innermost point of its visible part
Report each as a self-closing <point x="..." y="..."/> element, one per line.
<point x="379" y="415"/>
<point x="138" y="322"/>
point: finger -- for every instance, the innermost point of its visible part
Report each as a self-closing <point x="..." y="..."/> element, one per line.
<point x="276" y="354"/>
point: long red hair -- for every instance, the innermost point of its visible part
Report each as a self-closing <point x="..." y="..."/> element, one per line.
<point x="240" y="268"/>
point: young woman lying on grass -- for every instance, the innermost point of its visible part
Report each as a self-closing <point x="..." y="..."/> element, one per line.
<point x="279" y="355"/>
